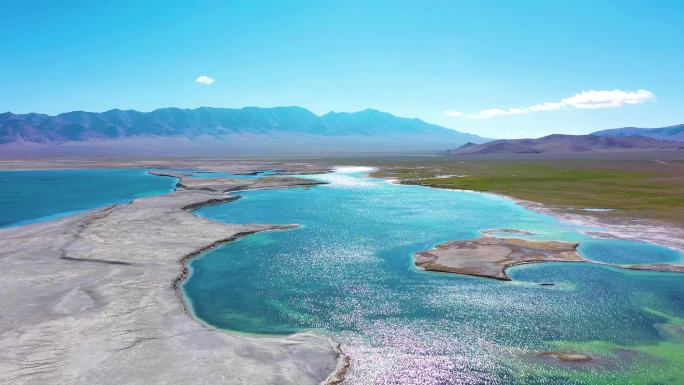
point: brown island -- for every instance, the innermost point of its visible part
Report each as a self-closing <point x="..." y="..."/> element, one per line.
<point x="489" y="256"/>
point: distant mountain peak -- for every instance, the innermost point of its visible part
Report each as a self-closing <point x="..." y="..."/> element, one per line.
<point x="469" y="144"/>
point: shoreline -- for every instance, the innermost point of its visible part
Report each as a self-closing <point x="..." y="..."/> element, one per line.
<point x="338" y="375"/>
<point x="631" y="229"/>
<point x="117" y="318"/>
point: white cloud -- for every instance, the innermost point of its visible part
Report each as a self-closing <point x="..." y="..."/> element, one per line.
<point x="204" y="79"/>
<point x="608" y="99"/>
<point x="591" y="99"/>
<point x="494" y="112"/>
<point x="453" y="114"/>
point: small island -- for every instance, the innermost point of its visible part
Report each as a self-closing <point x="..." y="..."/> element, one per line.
<point x="491" y="256"/>
<point x="565" y="356"/>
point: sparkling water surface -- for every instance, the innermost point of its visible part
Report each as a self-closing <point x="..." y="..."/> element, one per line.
<point x="347" y="272"/>
<point x="39" y="195"/>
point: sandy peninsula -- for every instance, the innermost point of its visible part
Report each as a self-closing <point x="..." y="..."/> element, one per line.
<point x="93" y="299"/>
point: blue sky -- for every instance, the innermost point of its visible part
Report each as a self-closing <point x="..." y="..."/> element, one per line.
<point x="494" y="68"/>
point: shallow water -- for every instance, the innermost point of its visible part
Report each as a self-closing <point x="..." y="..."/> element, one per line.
<point x="39" y="195"/>
<point x="348" y="271"/>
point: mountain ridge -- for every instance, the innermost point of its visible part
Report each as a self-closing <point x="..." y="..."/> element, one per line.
<point x="559" y="143"/>
<point x="211" y="121"/>
<point x="675" y="132"/>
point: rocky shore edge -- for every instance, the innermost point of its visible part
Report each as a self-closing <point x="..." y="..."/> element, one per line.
<point x="340" y="373"/>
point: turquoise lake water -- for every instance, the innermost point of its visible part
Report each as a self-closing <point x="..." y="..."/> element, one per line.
<point x="347" y="271"/>
<point x="37" y="195"/>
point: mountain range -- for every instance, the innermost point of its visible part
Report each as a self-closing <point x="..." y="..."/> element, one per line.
<point x="567" y="144"/>
<point x="209" y="131"/>
<point x="221" y="131"/>
<point x="666" y="133"/>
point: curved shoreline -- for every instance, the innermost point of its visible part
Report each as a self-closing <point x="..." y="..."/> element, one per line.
<point x="640" y="230"/>
<point x="343" y="364"/>
<point x="103" y="299"/>
<point x="337" y="376"/>
<point x="632" y="229"/>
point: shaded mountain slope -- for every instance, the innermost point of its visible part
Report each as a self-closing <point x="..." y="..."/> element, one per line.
<point x="566" y="144"/>
<point x="666" y="133"/>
